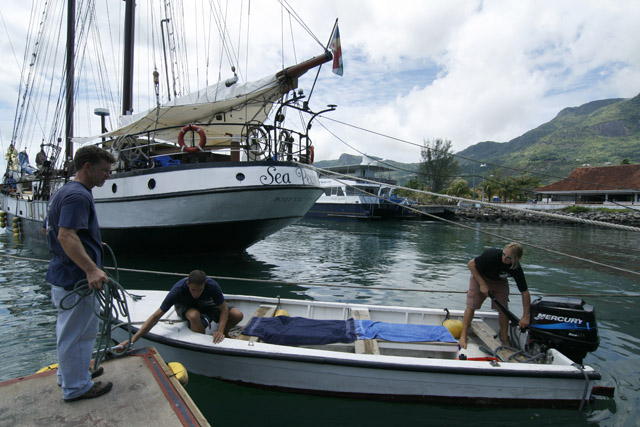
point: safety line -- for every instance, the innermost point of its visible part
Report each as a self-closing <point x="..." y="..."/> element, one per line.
<point x="326" y="285"/>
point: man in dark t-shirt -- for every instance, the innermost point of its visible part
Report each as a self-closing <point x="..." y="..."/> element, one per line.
<point x="73" y="235"/>
<point x="489" y="272"/>
<point x="199" y="300"/>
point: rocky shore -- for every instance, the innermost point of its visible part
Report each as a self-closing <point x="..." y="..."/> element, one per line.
<point x="627" y="217"/>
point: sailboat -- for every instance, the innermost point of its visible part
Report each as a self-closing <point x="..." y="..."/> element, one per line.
<point x="215" y="169"/>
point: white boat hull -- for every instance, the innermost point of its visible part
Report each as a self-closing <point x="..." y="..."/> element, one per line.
<point x="336" y="370"/>
<point x="201" y="207"/>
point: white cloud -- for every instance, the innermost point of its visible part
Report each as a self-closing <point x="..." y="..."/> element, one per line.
<point x="462" y="70"/>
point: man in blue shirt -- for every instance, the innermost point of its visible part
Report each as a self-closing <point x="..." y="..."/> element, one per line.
<point x="199" y="300"/>
<point x="489" y="272"/>
<point x="73" y="235"/>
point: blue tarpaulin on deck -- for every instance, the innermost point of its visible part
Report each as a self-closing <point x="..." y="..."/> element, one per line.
<point x="303" y="331"/>
<point x="368" y="329"/>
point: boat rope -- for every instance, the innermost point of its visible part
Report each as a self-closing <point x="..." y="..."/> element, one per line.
<point x="112" y="303"/>
<point x="586" y="385"/>
<point x="476" y="230"/>
<point x="335" y="285"/>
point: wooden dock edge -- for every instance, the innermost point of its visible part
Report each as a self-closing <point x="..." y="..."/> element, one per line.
<point x="193" y="408"/>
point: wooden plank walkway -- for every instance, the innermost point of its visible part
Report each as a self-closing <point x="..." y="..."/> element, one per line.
<point x="145" y="392"/>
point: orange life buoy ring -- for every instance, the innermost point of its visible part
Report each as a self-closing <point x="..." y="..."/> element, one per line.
<point x="201" y="143"/>
<point x="311" y="153"/>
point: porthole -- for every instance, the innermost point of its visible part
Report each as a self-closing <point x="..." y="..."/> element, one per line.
<point x="114" y="188"/>
<point x="240" y="177"/>
<point x="151" y="184"/>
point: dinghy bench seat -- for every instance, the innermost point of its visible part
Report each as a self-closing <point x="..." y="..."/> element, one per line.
<point x="364" y="346"/>
<point x="262" y="311"/>
<point x="440" y="349"/>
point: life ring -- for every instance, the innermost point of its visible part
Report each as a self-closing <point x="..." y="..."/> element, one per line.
<point x="310" y="152"/>
<point x="201" y="143"/>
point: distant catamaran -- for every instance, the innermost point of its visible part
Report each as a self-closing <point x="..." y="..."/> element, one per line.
<point x="211" y="170"/>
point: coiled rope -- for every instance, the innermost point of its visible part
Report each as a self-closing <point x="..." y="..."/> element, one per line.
<point x="112" y="305"/>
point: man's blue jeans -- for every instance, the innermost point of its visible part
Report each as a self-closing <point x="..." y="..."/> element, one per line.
<point x="76" y="331"/>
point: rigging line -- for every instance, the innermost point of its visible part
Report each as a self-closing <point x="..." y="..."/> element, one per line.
<point x="299" y="20"/>
<point x="395" y="167"/>
<point x="473" y="160"/>
<point x="316" y="284"/>
<point x="488" y="232"/>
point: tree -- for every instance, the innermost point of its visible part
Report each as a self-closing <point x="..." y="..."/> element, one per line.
<point x="459" y="188"/>
<point x="438" y="166"/>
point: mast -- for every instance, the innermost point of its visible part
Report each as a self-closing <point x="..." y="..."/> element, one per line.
<point x="71" y="42"/>
<point x="127" y="76"/>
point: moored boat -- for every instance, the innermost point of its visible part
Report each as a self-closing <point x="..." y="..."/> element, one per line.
<point x="368" y="367"/>
<point x="215" y="169"/>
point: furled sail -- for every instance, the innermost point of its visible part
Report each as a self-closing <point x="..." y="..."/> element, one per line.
<point x="229" y="109"/>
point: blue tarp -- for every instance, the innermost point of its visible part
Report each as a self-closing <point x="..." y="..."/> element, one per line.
<point x="286" y="330"/>
<point x="368" y="329"/>
<point x="302" y="331"/>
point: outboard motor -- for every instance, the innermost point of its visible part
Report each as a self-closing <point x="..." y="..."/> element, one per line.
<point x="566" y="324"/>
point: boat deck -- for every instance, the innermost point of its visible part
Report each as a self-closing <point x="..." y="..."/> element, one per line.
<point x="481" y="336"/>
<point x="144" y="393"/>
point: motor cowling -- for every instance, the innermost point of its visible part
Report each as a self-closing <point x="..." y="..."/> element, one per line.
<point x="566" y="324"/>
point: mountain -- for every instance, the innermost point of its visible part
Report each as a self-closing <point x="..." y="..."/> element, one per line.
<point x="597" y="133"/>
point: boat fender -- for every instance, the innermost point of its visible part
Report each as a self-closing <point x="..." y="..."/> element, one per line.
<point x="51" y="367"/>
<point x="201" y="143"/>
<point x="179" y="372"/>
<point x="454" y="327"/>
<point x="311" y="155"/>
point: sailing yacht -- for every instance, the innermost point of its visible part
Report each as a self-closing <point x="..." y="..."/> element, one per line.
<point x="216" y="169"/>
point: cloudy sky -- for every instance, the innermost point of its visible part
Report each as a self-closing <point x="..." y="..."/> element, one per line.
<point x="467" y="71"/>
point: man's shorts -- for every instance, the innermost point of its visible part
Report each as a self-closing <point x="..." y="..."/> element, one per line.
<point x="208" y="315"/>
<point x="500" y="289"/>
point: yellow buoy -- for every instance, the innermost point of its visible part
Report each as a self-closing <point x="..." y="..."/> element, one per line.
<point x="281" y="312"/>
<point x="179" y="372"/>
<point x="51" y="367"/>
<point x="454" y="326"/>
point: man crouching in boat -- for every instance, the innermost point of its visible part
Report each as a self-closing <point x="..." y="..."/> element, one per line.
<point x="489" y="272"/>
<point x="198" y="299"/>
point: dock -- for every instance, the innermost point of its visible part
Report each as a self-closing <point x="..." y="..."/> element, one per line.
<point x="145" y="392"/>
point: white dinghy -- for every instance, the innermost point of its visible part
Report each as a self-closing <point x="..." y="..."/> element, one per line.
<point x="367" y="368"/>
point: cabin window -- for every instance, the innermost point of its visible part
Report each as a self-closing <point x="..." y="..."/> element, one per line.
<point x="327" y="191"/>
<point x="114" y="188"/>
<point x="359" y="191"/>
<point x="337" y="191"/>
<point x="151" y="184"/>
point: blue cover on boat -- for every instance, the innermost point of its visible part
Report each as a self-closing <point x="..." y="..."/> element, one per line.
<point x="286" y="330"/>
<point x="368" y="329"/>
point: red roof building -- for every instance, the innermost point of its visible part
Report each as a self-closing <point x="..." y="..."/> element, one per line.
<point x="596" y="185"/>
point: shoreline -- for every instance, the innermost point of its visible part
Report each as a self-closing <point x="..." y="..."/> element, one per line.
<point x="491" y="214"/>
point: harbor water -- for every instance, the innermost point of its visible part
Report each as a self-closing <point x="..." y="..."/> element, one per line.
<point x="389" y="263"/>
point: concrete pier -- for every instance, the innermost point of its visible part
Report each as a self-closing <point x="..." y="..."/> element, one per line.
<point x="145" y="392"/>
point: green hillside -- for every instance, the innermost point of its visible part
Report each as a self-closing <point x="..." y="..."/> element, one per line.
<point x="596" y="134"/>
